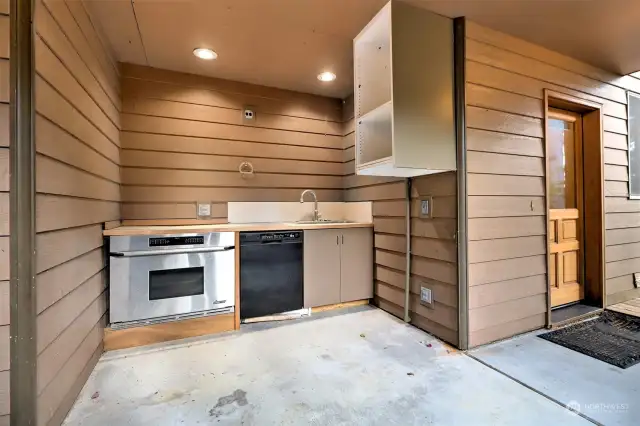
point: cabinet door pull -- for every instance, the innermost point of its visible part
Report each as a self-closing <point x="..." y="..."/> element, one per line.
<point x="337" y="240"/>
<point x="343" y="239"/>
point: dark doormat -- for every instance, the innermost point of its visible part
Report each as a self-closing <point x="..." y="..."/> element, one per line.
<point x="612" y="337"/>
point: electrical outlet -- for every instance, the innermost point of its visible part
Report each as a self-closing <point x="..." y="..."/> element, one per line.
<point x="426" y="207"/>
<point x="203" y="210"/>
<point x="636" y="279"/>
<point x="426" y="297"/>
<point x="248" y="116"/>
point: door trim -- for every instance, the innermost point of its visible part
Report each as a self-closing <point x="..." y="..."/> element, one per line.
<point x="593" y="221"/>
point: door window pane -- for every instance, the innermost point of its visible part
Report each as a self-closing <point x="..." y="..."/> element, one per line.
<point x="562" y="171"/>
<point x="170" y="283"/>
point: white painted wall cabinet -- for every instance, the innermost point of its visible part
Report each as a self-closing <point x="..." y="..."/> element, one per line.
<point x="403" y="75"/>
<point x="338" y="266"/>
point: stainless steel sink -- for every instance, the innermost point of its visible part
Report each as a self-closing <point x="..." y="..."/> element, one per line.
<point x="320" y="222"/>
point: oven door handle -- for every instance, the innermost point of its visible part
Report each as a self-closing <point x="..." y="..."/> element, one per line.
<point x="170" y="251"/>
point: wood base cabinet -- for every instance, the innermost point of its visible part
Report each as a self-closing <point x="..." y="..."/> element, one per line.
<point x="338" y="266"/>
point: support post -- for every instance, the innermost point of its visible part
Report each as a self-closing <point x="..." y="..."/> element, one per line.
<point x="23" y="356"/>
<point x="459" y="84"/>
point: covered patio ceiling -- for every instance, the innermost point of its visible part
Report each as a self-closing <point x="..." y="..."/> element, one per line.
<point x="287" y="43"/>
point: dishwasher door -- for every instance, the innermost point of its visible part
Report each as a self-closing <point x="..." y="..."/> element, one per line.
<point x="271" y="277"/>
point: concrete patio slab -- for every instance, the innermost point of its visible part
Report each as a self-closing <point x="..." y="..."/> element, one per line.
<point x="364" y="367"/>
<point x="606" y="394"/>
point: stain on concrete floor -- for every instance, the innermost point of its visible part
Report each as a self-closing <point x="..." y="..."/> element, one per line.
<point x="237" y="399"/>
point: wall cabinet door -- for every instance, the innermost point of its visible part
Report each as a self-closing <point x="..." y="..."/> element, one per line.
<point x="356" y="266"/>
<point x="321" y="267"/>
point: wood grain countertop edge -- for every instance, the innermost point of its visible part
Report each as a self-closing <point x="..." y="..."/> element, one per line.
<point x="227" y="227"/>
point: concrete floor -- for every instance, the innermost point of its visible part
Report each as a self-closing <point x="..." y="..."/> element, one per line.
<point x="364" y="367"/>
<point x="601" y="392"/>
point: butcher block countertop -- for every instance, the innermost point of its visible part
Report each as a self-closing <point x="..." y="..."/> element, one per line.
<point x="229" y="227"/>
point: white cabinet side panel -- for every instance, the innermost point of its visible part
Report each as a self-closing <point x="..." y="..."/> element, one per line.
<point x="423" y="115"/>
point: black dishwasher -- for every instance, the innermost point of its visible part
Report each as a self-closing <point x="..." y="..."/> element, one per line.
<point x="270" y="273"/>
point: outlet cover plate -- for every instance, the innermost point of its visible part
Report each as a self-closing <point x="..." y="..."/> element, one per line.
<point x="426" y="207"/>
<point x="203" y="209"/>
<point x="636" y="279"/>
<point x="426" y="297"/>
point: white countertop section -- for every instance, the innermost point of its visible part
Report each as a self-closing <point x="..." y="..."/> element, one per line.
<point x="279" y="212"/>
<point x="228" y="227"/>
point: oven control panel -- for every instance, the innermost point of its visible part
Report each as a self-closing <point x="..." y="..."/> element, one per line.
<point x="176" y="241"/>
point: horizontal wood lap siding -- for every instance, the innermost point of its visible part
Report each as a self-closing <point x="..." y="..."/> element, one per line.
<point x="185" y="136"/>
<point x="78" y="190"/>
<point x="506" y="78"/>
<point x="4" y="216"/>
<point x="432" y="241"/>
<point x="191" y="88"/>
<point x="434" y="255"/>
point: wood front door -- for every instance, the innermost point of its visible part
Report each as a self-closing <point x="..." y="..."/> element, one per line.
<point x="566" y="206"/>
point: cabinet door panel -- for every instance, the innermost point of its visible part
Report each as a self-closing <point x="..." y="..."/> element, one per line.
<point x="321" y="267"/>
<point x="356" y="265"/>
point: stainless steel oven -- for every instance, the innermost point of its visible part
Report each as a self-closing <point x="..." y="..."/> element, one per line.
<point x="157" y="278"/>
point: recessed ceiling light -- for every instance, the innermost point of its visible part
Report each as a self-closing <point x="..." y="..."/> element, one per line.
<point x="206" y="54"/>
<point x="326" y="76"/>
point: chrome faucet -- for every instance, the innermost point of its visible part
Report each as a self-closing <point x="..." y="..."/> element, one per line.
<point x="316" y="215"/>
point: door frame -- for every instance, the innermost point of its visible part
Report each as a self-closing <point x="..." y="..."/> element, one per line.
<point x="593" y="242"/>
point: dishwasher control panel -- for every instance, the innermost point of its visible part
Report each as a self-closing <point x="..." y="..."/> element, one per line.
<point x="268" y="237"/>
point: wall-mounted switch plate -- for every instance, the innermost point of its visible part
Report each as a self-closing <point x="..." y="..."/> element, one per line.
<point x="426" y="297"/>
<point x="636" y="279"/>
<point x="426" y="207"/>
<point x="203" y="210"/>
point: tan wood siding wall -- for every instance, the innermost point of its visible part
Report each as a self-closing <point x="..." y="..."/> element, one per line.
<point x="4" y="213"/>
<point x="432" y="241"/>
<point x="505" y="110"/>
<point x="184" y="136"/>
<point x="78" y="189"/>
